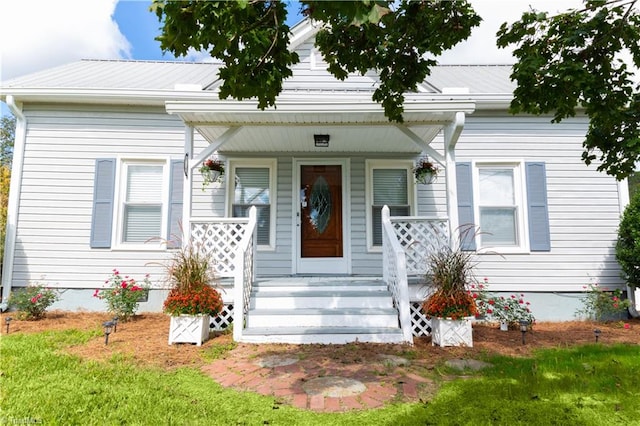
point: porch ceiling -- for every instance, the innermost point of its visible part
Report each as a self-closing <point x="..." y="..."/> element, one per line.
<point x="353" y="121"/>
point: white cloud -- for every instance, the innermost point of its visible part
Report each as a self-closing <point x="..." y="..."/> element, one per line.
<point x="37" y="34"/>
<point x="481" y="47"/>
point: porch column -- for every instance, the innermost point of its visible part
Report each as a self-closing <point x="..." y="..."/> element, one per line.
<point x="451" y="135"/>
<point x="188" y="187"/>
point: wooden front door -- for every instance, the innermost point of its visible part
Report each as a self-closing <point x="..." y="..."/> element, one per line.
<point x="321" y="211"/>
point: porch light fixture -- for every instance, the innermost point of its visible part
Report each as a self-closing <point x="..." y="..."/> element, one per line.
<point x="321" y="141"/>
<point x="7" y="321"/>
<point x="596" y="333"/>
<point x="524" y="326"/>
<point x="108" y="326"/>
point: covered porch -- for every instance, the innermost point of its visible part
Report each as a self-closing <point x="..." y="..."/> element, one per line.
<point x="360" y="135"/>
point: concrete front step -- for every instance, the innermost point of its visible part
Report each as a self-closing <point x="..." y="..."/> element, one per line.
<point x="322" y="335"/>
<point x="320" y="286"/>
<point x="306" y="299"/>
<point x="314" y="317"/>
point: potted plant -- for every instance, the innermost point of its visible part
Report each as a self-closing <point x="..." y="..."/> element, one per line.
<point x="450" y="303"/>
<point x="192" y="299"/>
<point x="211" y="170"/>
<point x="425" y="171"/>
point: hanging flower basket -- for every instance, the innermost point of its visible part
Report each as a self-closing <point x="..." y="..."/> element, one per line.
<point x="212" y="171"/>
<point x="425" y="171"/>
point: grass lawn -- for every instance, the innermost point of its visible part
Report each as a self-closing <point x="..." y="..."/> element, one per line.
<point x="588" y="385"/>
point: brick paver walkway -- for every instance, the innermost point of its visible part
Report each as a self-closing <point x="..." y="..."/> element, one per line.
<point x="383" y="382"/>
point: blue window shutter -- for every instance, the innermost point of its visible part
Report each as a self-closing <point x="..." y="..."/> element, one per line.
<point x="176" y="190"/>
<point x="466" y="222"/>
<point x="103" y="191"/>
<point x="539" y="235"/>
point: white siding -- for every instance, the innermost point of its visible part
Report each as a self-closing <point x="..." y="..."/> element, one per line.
<point x="583" y="204"/>
<point x="54" y="220"/>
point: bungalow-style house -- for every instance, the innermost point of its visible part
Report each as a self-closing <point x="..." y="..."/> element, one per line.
<point x="318" y="225"/>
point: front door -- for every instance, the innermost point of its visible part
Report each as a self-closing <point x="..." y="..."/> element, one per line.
<point x="320" y="219"/>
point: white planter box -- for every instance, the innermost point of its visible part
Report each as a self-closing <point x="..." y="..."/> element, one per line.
<point x="189" y="329"/>
<point x="448" y="332"/>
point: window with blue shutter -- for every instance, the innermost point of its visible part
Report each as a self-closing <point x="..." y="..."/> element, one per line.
<point x="141" y="212"/>
<point x="492" y="194"/>
<point x="466" y="215"/>
<point x="103" y="193"/>
<point x="176" y="189"/>
<point x="538" y="210"/>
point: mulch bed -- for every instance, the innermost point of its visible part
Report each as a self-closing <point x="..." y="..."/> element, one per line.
<point x="145" y="339"/>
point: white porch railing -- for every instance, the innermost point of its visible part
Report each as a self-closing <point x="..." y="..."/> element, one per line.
<point x="406" y="244"/>
<point x="394" y="273"/>
<point x="233" y="244"/>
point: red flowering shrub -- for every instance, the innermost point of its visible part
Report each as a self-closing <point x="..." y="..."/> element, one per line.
<point x="32" y="301"/>
<point x="123" y="294"/>
<point x="450" y="305"/>
<point x="195" y="300"/>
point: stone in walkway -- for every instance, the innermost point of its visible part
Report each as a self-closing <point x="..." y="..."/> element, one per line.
<point x="393" y="360"/>
<point x="275" y="361"/>
<point x="333" y="386"/>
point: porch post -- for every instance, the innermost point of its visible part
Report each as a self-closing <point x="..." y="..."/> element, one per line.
<point x="451" y="135"/>
<point x="188" y="187"/>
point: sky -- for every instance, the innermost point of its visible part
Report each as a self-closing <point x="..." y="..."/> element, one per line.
<point x="39" y="34"/>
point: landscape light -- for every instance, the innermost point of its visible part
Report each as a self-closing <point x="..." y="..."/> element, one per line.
<point x="597" y="332"/>
<point x="7" y="320"/>
<point x="108" y="326"/>
<point x="524" y="326"/>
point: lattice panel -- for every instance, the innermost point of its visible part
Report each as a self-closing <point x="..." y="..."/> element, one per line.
<point x="222" y="238"/>
<point x="224" y="319"/>
<point x="418" y="238"/>
<point x="420" y="324"/>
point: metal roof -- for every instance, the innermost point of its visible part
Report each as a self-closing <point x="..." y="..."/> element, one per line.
<point x="153" y="75"/>
<point x="479" y="79"/>
<point x="119" y="74"/>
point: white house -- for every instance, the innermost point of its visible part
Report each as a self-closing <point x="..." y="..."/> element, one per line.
<point x="107" y="155"/>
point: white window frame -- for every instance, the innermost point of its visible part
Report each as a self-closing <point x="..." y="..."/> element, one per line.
<point x="370" y="165"/>
<point x="520" y="195"/>
<point x="271" y="164"/>
<point x="120" y="197"/>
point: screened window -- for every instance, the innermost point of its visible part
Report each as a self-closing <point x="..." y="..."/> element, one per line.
<point x="500" y="206"/>
<point x="142" y="206"/>
<point x="253" y="188"/>
<point x="389" y="186"/>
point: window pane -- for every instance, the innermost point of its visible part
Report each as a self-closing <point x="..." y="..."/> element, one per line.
<point x="263" y="220"/>
<point x="144" y="184"/>
<point x="376" y="215"/>
<point x="390" y="186"/>
<point x="252" y="185"/>
<point x="141" y="222"/>
<point x="496" y="187"/>
<point x="498" y="226"/>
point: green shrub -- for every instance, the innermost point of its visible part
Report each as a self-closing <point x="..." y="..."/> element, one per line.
<point x="32" y="301"/>
<point x="602" y="304"/>
<point x="628" y="245"/>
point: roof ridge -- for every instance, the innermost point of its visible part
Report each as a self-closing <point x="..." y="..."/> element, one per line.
<point x="151" y="61"/>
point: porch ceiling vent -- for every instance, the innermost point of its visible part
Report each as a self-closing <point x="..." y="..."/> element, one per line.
<point x="321" y="141"/>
